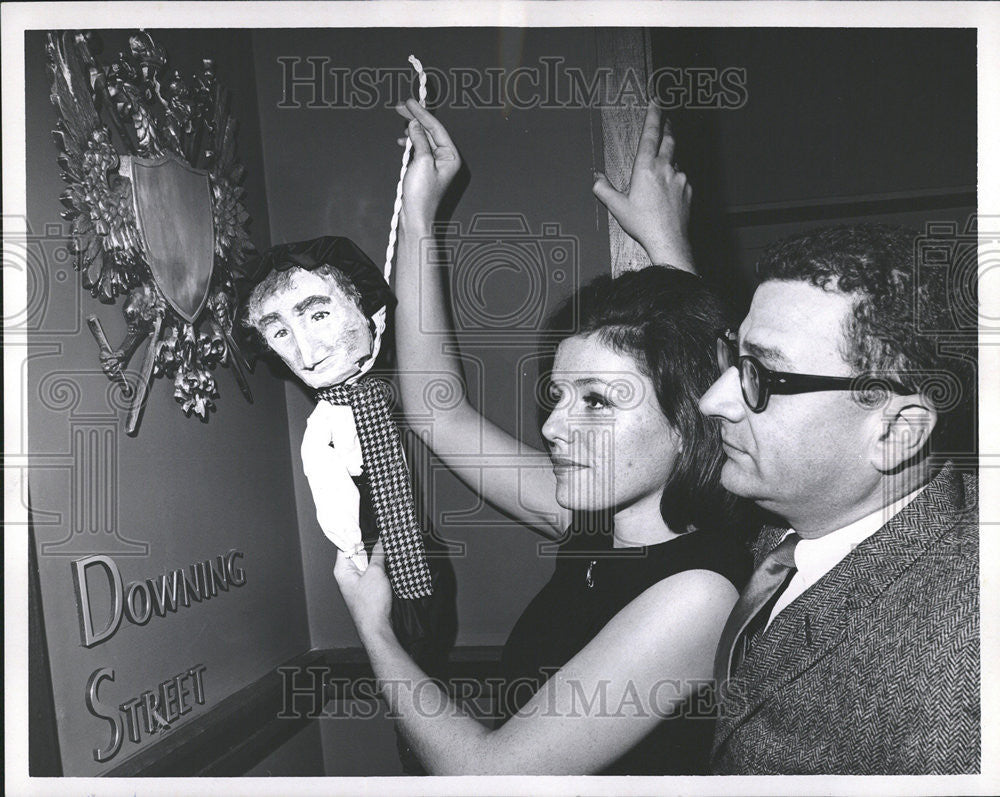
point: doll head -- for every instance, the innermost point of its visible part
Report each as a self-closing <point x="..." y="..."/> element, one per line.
<point x="318" y="306"/>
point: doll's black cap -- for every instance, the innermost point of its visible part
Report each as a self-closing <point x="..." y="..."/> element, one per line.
<point x="339" y="252"/>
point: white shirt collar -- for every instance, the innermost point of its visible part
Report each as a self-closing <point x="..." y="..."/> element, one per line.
<point x="814" y="558"/>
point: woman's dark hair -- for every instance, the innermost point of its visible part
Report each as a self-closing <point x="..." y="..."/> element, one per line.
<point x="668" y="321"/>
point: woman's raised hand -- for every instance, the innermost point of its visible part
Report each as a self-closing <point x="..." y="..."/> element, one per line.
<point x="656" y="208"/>
<point x="435" y="163"/>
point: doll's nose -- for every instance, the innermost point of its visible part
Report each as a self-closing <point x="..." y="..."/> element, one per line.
<point x="312" y="349"/>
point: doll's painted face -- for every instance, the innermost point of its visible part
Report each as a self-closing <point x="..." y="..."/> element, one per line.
<point x="319" y="331"/>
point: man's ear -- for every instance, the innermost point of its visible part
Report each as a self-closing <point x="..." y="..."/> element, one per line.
<point x="904" y="431"/>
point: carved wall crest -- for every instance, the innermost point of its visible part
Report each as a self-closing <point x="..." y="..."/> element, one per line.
<point x="155" y="203"/>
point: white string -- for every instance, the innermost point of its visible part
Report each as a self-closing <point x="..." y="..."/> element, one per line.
<point x="390" y="250"/>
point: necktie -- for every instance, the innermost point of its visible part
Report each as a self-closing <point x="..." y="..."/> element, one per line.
<point x="765" y="583"/>
<point x="389" y="481"/>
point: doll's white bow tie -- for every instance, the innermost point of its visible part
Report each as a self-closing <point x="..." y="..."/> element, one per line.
<point x="331" y="456"/>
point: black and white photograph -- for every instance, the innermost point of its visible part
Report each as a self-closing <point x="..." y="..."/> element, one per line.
<point x="502" y="398"/>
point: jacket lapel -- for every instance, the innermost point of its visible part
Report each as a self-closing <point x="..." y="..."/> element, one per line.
<point x="814" y="624"/>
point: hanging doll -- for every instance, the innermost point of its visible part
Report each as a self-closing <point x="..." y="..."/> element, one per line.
<point x="320" y="306"/>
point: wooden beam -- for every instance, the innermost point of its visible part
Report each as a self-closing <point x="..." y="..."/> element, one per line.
<point x="626" y="54"/>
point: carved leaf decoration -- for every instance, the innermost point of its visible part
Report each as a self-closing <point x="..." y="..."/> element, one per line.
<point x="98" y="200"/>
<point x="232" y="240"/>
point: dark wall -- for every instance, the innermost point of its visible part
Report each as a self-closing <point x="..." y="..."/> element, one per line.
<point x="836" y="125"/>
<point x="179" y="492"/>
<point x="833" y="112"/>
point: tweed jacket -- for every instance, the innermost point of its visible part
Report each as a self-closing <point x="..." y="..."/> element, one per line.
<point x="875" y="668"/>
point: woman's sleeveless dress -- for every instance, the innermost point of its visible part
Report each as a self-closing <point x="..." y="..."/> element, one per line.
<point x="592" y="582"/>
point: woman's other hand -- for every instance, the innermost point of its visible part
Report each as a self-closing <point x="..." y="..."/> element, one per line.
<point x="368" y="594"/>
<point x="435" y="163"/>
<point x="656" y="208"/>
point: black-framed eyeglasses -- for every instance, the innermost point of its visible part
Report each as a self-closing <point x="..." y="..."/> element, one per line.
<point x="758" y="382"/>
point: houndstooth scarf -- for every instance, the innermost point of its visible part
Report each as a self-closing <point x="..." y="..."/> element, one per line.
<point x="392" y="498"/>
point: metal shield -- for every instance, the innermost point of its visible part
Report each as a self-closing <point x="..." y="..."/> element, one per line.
<point x="173" y="205"/>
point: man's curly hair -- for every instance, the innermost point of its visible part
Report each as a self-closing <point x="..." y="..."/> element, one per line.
<point x="895" y="302"/>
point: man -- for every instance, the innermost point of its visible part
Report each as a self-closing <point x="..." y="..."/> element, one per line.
<point x="854" y="649"/>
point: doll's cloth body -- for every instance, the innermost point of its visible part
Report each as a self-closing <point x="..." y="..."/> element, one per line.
<point x="389" y="481"/>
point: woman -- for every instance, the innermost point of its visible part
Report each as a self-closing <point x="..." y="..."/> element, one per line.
<point x="630" y="627"/>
